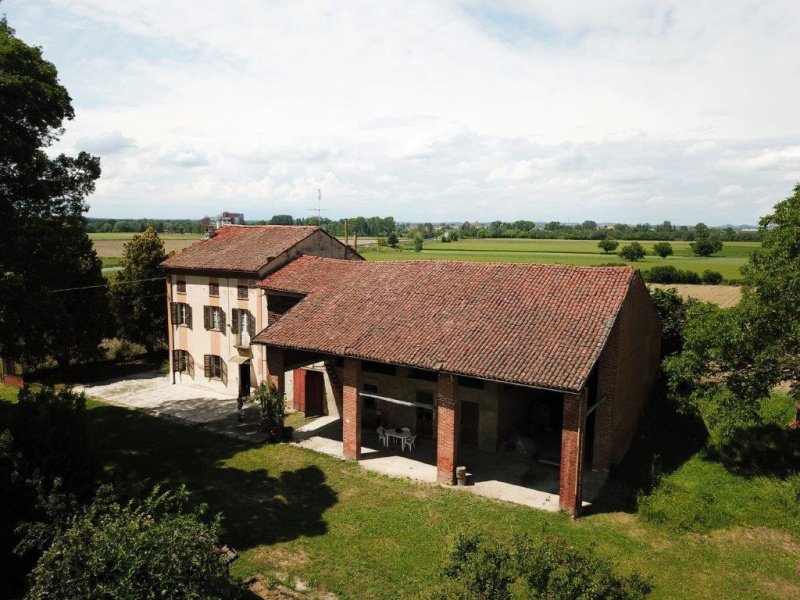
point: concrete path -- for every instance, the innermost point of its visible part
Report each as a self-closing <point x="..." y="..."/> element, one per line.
<point x="500" y="476"/>
<point x="155" y="394"/>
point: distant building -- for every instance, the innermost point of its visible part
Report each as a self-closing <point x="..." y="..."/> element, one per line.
<point x="229" y="218"/>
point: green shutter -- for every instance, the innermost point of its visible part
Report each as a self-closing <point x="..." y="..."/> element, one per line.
<point x="222" y="320"/>
<point x="188" y="316"/>
<point x="235" y="321"/>
<point x="207" y="317"/>
<point x="207" y="365"/>
<point x="223" y="371"/>
<point x="251" y="324"/>
<point x="174" y="309"/>
<point x="176" y="361"/>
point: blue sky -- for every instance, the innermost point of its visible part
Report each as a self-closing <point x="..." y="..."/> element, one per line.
<point x="627" y="111"/>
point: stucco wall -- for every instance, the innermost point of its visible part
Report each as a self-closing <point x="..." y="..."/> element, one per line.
<point x="199" y="342"/>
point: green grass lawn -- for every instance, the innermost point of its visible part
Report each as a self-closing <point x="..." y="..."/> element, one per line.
<point x="570" y="252"/>
<point x="294" y="512"/>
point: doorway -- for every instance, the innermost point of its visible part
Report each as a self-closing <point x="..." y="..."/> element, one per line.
<point x="244" y="380"/>
<point x="315" y="394"/>
<point x="470" y="412"/>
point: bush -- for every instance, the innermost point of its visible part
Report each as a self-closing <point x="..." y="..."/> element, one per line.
<point x="393" y="240"/>
<point x="669" y="274"/>
<point x="663" y="249"/>
<point x="121" y="351"/>
<point x="418" y="244"/>
<point x="271" y="410"/>
<point x="156" y="548"/>
<point x="633" y="252"/>
<point x="607" y="245"/>
<point x="712" y="277"/>
<point x="546" y="568"/>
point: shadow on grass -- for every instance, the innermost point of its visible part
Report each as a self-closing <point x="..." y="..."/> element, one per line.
<point x="768" y="450"/>
<point x="664" y="441"/>
<point x="94" y="372"/>
<point x="259" y="507"/>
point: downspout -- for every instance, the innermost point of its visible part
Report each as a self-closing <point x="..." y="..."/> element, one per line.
<point x="170" y="334"/>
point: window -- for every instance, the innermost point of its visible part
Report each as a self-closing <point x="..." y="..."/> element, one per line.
<point x="181" y="314"/>
<point x="214" y="318"/>
<point x="181" y="287"/>
<point x="241" y="292"/>
<point x="376" y="367"/>
<point x="243" y="326"/>
<point x="215" y="368"/>
<point x="213" y="289"/>
<point x="424" y="397"/>
<point x="182" y="362"/>
<point x="470" y="382"/>
<point x="424" y="375"/>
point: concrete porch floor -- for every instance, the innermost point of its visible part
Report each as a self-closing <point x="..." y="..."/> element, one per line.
<point x="507" y="476"/>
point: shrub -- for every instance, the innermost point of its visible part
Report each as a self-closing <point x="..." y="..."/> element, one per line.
<point x="382" y="241"/>
<point x="663" y="249"/>
<point x="669" y="274"/>
<point x="633" y="252"/>
<point x="607" y="245"/>
<point x="418" y="243"/>
<point x="712" y="277"/>
<point x="393" y="240"/>
<point x="548" y="568"/>
<point x="706" y="246"/>
<point x="271" y="410"/>
<point x="156" y="548"/>
<point x="122" y="351"/>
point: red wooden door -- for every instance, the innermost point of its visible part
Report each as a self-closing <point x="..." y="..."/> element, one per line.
<point x="299" y="389"/>
<point x="315" y="394"/>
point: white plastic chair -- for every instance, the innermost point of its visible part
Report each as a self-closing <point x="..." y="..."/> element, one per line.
<point x="382" y="437"/>
<point x="409" y="442"/>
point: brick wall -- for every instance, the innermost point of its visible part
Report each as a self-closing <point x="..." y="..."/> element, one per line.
<point x="448" y="409"/>
<point x="275" y="369"/>
<point x="627" y="372"/>
<point x="572" y="437"/>
<point x="351" y="409"/>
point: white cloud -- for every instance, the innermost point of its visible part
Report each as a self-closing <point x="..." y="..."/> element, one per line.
<point x="430" y="110"/>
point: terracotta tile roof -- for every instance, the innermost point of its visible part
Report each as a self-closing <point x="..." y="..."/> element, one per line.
<point x="537" y="325"/>
<point x="239" y="248"/>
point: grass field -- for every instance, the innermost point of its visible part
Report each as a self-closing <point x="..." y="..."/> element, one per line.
<point x="292" y="512"/>
<point x="109" y="246"/>
<point x="570" y="252"/>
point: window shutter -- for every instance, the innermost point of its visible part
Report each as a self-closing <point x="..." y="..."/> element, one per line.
<point x="224" y="370"/>
<point x="235" y="321"/>
<point x="222" y="320"/>
<point x="189" y="316"/>
<point x="176" y="360"/>
<point x="207" y="365"/>
<point x="251" y="324"/>
<point x="174" y="309"/>
<point x="190" y="364"/>
<point x="207" y="317"/>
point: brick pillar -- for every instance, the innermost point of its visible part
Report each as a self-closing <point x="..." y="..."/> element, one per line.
<point x="448" y="411"/>
<point x="351" y="409"/>
<point x="604" y="418"/>
<point x="275" y="372"/>
<point x="572" y="436"/>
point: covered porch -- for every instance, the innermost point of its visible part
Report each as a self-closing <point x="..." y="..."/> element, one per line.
<point x="557" y="479"/>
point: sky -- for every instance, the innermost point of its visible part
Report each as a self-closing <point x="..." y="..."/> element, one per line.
<point x="628" y="111"/>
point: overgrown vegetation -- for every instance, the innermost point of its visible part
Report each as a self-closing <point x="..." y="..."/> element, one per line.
<point x="546" y="568"/>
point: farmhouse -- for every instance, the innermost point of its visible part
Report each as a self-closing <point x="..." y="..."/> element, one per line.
<point x="214" y="308"/>
<point x="554" y="361"/>
<point x="473" y="354"/>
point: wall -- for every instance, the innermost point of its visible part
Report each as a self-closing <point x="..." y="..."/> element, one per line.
<point x="628" y="369"/>
<point x="200" y="342"/>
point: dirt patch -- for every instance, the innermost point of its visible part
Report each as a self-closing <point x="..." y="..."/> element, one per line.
<point x="721" y="295"/>
<point x="282" y="559"/>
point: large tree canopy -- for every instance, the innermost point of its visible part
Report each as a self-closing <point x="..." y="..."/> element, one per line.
<point x="43" y="245"/>
<point x="732" y="358"/>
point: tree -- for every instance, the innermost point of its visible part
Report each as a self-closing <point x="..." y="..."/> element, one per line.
<point x="282" y="220"/>
<point x="138" y="291"/>
<point x="607" y="245"/>
<point x="157" y="548"/>
<point x="42" y="201"/>
<point x="732" y="358"/>
<point x="706" y="246"/>
<point x="633" y="252"/>
<point x="392" y="239"/>
<point x="417" y="243"/>
<point x="663" y="249"/>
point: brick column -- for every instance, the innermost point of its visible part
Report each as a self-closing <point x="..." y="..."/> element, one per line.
<point x="572" y="436"/>
<point x="448" y="411"/>
<point x="351" y="409"/>
<point x="275" y="372"/>
<point x="604" y="418"/>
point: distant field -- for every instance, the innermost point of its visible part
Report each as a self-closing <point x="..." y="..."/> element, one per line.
<point x="721" y="295"/>
<point x="569" y="252"/>
<point x="110" y="245"/>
